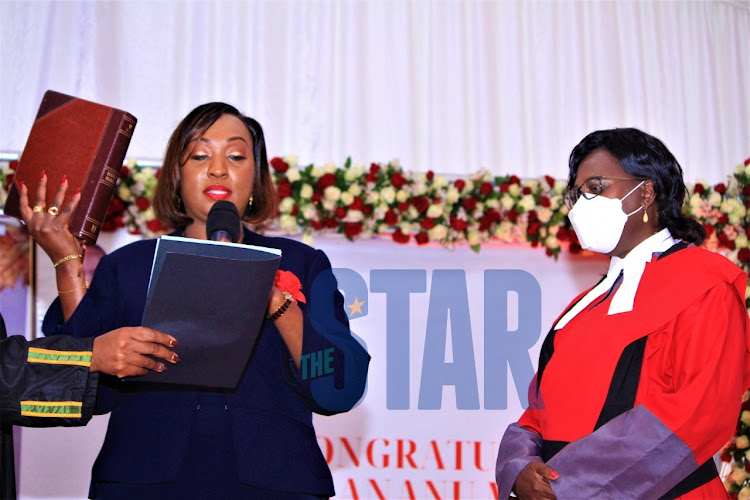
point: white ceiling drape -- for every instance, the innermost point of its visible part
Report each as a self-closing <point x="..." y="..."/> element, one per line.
<point x="454" y="86"/>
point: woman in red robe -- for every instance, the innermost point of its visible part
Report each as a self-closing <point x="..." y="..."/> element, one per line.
<point x="640" y="379"/>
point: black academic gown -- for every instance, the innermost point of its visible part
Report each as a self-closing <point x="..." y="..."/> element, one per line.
<point x="7" y="464"/>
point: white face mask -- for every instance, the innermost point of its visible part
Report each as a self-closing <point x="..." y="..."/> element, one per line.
<point x="599" y="222"/>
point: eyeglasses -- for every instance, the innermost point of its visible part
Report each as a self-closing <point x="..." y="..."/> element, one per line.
<point x="591" y="188"/>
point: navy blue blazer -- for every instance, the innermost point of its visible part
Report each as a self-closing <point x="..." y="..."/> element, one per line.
<point x="271" y="409"/>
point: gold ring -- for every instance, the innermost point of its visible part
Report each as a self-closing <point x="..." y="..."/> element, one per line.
<point x="38" y="208"/>
<point x="53" y="210"/>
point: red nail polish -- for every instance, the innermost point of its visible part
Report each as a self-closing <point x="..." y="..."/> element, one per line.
<point x="65" y="178"/>
<point x="41" y="176"/>
<point x="554" y="475"/>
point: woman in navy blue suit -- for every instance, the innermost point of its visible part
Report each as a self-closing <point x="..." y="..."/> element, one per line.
<point x="256" y="441"/>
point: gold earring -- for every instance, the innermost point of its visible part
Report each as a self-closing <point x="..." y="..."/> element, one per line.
<point x="645" y="215"/>
<point x="250" y="203"/>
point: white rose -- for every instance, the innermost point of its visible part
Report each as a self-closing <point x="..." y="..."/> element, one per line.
<point x="745" y="417"/>
<point x="741" y="240"/>
<point x="742" y="442"/>
<point x="412" y="213"/>
<point x="747" y="170"/>
<point x="468" y="186"/>
<point x="474" y="238"/>
<point x="552" y="242"/>
<point x="514" y="190"/>
<point x="332" y="193"/>
<point x="373" y="197"/>
<point x="714" y="198"/>
<point x="288" y="223"/>
<point x="554" y="203"/>
<point x="533" y="184"/>
<point x="346" y="198"/>
<point x="291" y="160"/>
<point x="402" y="196"/>
<point x="354" y="173"/>
<point x="744" y="493"/>
<point x="439" y="181"/>
<point x="738" y="475"/>
<point x="306" y="191"/>
<point x="354" y="216"/>
<point x="148" y="214"/>
<point x="695" y="201"/>
<point x="286" y="205"/>
<point x="383" y="228"/>
<point x="293" y="175"/>
<point x="388" y="194"/>
<point x="560" y="187"/>
<point x="309" y="212"/>
<point x="527" y="203"/>
<point x="437" y="233"/>
<point x="316" y="172"/>
<point x="507" y="202"/>
<point x="328" y="204"/>
<point x="434" y="211"/>
<point x="493" y="203"/>
<point x="355" y="189"/>
<point x="544" y="214"/>
<point x="123" y="192"/>
<point x="330" y="168"/>
<point x="420" y="189"/>
<point x="451" y="197"/>
<point x="504" y="231"/>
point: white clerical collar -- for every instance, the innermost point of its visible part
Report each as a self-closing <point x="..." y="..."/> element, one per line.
<point x="632" y="267"/>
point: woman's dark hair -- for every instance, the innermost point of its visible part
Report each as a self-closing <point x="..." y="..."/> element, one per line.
<point x="168" y="205"/>
<point x="642" y="155"/>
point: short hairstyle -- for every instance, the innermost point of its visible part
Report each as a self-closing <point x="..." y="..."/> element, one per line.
<point x="168" y="205"/>
<point x="642" y="155"/>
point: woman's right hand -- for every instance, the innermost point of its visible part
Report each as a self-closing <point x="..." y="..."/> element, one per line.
<point x="533" y="482"/>
<point x="49" y="226"/>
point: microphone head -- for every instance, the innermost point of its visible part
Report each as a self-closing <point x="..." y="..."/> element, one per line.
<point x="223" y="217"/>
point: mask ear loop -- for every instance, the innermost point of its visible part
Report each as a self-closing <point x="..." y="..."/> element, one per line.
<point x="639" y="208"/>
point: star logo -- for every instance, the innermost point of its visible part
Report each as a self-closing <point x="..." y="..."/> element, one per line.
<point x="356" y="307"/>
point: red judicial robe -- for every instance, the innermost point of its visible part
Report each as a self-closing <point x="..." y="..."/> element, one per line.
<point x="684" y="349"/>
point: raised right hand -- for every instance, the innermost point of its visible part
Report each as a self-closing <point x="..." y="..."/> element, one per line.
<point x="123" y="352"/>
<point x="50" y="229"/>
<point x="533" y="482"/>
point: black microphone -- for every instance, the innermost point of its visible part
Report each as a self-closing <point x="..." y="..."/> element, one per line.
<point x="223" y="223"/>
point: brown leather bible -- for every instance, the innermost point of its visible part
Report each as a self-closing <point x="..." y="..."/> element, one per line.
<point x="82" y="140"/>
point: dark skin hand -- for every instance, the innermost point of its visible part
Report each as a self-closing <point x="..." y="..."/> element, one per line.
<point x="123" y="352"/>
<point x="533" y="482"/>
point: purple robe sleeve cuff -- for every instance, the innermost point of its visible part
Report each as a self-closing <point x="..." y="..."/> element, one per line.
<point x="632" y="456"/>
<point x="518" y="448"/>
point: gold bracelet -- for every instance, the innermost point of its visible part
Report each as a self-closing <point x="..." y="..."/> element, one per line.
<point x="84" y="287"/>
<point x="67" y="258"/>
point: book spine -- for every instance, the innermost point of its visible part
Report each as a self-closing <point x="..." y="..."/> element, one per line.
<point x="104" y="173"/>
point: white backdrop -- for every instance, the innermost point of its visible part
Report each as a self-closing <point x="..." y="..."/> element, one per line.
<point x="372" y="448"/>
<point x="449" y="85"/>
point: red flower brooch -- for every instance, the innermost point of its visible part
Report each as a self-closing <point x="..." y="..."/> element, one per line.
<point x="286" y="281"/>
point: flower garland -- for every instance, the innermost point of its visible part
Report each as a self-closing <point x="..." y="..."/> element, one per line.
<point x="383" y="200"/>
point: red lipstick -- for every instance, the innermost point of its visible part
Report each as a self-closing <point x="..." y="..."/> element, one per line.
<point x="217" y="192"/>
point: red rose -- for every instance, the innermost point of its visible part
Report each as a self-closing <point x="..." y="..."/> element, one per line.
<point x="287" y="281"/>
<point x="142" y="203"/>
<point x="545" y="202"/>
<point x="115" y="206"/>
<point x="317" y="224"/>
<point x="422" y="238"/>
<point x="514" y="179"/>
<point x="157" y="173"/>
<point x="421" y="203"/>
<point x="526" y="190"/>
<point x="357" y="204"/>
<point x="723" y="219"/>
<point x="512" y="215"/>
<point x="398" y="180"/>
<point x="458" y="224"/>
<point x="134" y="230"/>
<point x="549" y="252"/>
<point x="575" y="248"/>
<point x="325" y="181"/>
<point x="295" y="210"/>
<point x="485" y="188"/>
<point x="284" y="188"/>
<point x="532" y="216"/>
<point x="155" y="226"/>
<point x="279" y="165"/>
<point x="699" y="189"/>
<point x="367" y="209"/>
<point x="315" y="198"/>
<point x="726" y="457"/>
<point x="484" y="223"/>
<point x="390" y="217"/>
<point x="494" y="215"/>
<point x="427" y="223"/>
<point x="709" y="230"/>
<point x="504" y="187"/>
<point x="430" y="175"/>
<point x="340" y="212"/>
<point x="124" y="172"/>
<point x="400" y="237"/>
<point x="534" y="228"/>
<point x="747" y="162"/>
<point x="13" y="164"/>
<point x="470" y="203"/>
<point x="371" y="178"/>
<point x="550" y="180"/>
<point x="746" y="190"/>
<point x="352" y="229"/>
<point x="9" y="179"/>
<point x="460" y="184"/>
<point x="562" y="234"/>
<point x="374" y="168"/>
<point x="744" y="256"/>
<point x="720" y="188"/>
<point x="331" y="222"/>
<point x="403" y="206"/>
